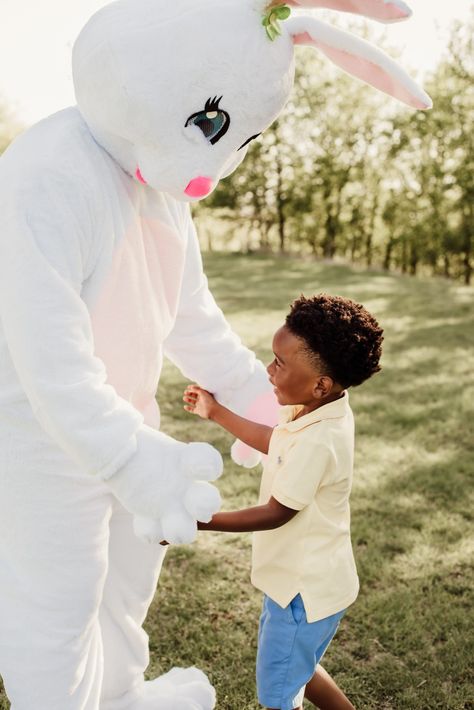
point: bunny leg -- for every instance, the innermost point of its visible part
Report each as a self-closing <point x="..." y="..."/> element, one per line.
<point x="132" y="575"/>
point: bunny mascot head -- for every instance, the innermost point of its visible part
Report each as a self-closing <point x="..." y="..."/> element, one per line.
<point x="177" y="91"/>
<point x="100" y="276"/>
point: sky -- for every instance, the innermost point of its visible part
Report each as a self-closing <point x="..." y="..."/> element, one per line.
<point x="36" y="38"/>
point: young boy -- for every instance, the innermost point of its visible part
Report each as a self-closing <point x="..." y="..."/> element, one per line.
<point x="302" y="555"/>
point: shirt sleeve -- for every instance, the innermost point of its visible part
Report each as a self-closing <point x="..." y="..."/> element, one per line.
<point x="300" y="474"/>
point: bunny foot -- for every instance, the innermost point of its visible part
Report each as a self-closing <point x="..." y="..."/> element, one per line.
<point x="179" y="689"/>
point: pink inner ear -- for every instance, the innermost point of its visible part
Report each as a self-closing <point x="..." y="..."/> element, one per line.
<point x="377" y="9"/>
<point x="363" y="69"/>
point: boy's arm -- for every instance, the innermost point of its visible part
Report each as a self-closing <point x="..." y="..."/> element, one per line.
<point x="262" y="517"/>
<point x="200" y="402"/>
<point x="257" y="436"/>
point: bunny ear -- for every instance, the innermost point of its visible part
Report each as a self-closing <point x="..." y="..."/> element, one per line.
<point x="360" y="59"/>
<point x="381" y="10"/>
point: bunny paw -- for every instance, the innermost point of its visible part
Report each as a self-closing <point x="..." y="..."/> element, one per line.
<point x="202" y="461"/>
<point x="179" y="689"/>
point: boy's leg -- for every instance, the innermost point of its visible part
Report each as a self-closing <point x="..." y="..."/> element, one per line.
<point x="323" y="692"/>
<point x="282" y="673"/>
<point x="134" y="568"/>
<point x="53" y="562"/>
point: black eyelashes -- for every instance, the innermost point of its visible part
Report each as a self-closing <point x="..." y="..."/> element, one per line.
<point x="213" y="104"/>
<point x="252" y="138"/>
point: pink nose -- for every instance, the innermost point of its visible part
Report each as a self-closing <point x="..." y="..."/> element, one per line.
<point x="199" y="187"/>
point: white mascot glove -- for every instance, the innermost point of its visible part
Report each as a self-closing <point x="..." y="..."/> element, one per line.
<point x="165" y="485"/>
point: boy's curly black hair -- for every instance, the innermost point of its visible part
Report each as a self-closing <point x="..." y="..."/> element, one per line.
<point x="340" y="335"/>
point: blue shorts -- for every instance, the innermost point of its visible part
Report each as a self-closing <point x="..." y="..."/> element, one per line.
<point x="289" y="649"/>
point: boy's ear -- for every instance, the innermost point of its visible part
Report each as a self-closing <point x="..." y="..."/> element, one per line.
<point x="381" y="10"/>
<point x="360" y="59"/>
<point x="322" y="387"/>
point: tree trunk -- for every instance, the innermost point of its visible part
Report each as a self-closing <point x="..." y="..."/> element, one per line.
<point x="404" y="255"/>
<point x="446" y="265"/>
<point x="356" y="241"/>
<point x="369" y="254"/>
<point x="280" y="207"/>
<point x="413" y="260"/>
<point x="331" y="224"/>
<point x="263" y="236"/>
<point x="388" y="253"/>
<point x="467" y="245"/>
<point x="329" y="247"/>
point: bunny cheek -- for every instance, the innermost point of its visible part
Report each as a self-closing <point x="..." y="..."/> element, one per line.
<point x="199" y="187"/>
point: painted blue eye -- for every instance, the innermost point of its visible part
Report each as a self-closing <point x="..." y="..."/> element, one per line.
<point x="210" y="123"/>
<point x="213" y="121"/>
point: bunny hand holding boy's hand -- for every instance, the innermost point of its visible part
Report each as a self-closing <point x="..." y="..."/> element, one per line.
<point x="199" y="401"/>
<point x="166" y="486"/>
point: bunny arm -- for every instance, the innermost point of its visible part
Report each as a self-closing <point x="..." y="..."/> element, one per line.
<point x="360" y="59"/>
<point x="45" y="243"/>
<point x="203" y="346"/>
<point x="263" y="410"/>
<point x="48" y="330"/>
<point x="206" y="351"/>
<point x="381" y="10"/>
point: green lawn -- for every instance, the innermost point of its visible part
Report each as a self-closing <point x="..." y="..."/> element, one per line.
<point x="407" y="642"/>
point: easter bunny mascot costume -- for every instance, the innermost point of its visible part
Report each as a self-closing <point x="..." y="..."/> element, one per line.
<point x="100" y="277"/>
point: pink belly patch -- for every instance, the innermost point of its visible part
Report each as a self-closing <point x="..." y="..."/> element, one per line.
<point x="136" y="310"/>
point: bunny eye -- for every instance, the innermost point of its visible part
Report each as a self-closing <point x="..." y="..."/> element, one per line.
<point x="213" y="121"/>
<point x="252" y="138"/>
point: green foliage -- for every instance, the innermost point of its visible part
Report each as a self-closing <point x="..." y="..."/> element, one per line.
<point x="407" y="642"/>
<point x="346" y="173"/>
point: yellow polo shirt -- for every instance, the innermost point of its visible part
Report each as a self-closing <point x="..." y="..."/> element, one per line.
<point x="309" y="469"/>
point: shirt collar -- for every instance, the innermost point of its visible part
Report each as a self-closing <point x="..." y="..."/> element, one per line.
<point x="334" y="410"/>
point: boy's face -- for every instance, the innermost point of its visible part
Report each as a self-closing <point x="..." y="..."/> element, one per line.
<point x="293" y="375"/>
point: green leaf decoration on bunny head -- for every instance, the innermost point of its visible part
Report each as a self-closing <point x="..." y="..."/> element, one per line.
<point x="272" y="18"/>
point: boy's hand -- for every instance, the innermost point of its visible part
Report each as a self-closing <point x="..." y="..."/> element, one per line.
<point x="199" y="401"/>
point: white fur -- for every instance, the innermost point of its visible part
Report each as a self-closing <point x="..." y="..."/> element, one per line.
<point x="149" y="487"/>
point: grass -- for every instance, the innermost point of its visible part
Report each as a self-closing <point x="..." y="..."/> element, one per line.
<point x="407" y="643"/>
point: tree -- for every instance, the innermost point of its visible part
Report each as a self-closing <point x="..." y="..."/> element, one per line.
<point x="346" y="173"/>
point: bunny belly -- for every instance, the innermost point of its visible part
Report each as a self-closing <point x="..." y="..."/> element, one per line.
<point x="136" y="309"/>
